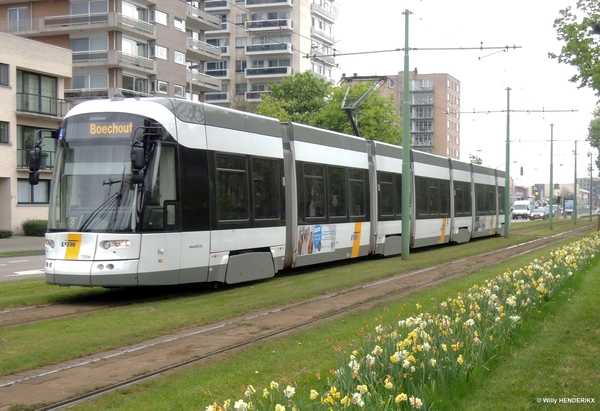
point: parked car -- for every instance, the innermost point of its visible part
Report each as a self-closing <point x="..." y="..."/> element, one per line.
<point x="538" y="214"/>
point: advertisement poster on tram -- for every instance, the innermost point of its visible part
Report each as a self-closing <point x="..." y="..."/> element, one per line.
<point x="316" y="239"/>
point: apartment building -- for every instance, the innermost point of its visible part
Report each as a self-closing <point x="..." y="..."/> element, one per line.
<point x="32" y="84"/>
<point x="434" y="110"/>
<point x="137" y="48"/>
<point x="262" y="41"/>
<point x="223" y="52"/>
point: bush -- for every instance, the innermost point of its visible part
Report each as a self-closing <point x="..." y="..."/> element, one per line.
<point x="6" y="234"/>
<point x="35" y="228"/>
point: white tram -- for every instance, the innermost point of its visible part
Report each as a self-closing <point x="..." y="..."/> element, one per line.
<point x="158" y="191"/>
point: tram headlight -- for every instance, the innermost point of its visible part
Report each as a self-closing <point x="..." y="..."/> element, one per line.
<point x="116" y="244"/>
<point x="50" y="243"/>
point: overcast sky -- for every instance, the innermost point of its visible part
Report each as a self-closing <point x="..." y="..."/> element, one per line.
<point x="537" y="83"/>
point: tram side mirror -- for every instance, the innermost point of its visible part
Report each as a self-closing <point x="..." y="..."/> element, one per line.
<point x="137" y="165"/>
<point x="35" y="156"/>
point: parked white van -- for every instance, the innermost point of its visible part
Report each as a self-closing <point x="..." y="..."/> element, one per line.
<point x="521" y="209"/>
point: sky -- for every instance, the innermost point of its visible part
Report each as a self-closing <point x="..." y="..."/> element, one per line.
<point x="543" y="102"/>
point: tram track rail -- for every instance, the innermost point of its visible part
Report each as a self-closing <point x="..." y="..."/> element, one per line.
<point x="168" y="354"/>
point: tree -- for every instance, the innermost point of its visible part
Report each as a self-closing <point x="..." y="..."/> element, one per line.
<point x="582" y="50"/>
<point x="296" y="98"/>
<point x="582" y="46"/>
<point x="306" y="99"/>
<point x="377" y="118"/>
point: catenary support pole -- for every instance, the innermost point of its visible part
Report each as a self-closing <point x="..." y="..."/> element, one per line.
<point x="406" y="150"/>
<point x="507" y="213"/>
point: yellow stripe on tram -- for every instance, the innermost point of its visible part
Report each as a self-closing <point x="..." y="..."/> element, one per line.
<point x="492" y="225"/>
<point x="443" y="236"/>
<point x="356" y="239"/>
<point x="73" y="246"/>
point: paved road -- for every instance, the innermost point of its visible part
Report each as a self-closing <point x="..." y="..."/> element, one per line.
<point x="21" y="266"/>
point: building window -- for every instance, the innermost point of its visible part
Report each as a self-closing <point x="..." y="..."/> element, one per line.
<point x="241" y="89"/>
<point x="17" y="19"/>
<point x="4" y="75"/>
<point x="240" y="66"/>
<point x="88" y="7"/>
<point x="33" y="194"/>
<point x="137" y="84"/>
<point x="159" y="86"/>
<point x="179" y="24"/>
<point x="90" y="81"/>
<point x="179" y="57"/>
<point x="36" y="93"/>
<point x="26" y="138"/>
<point x="134" y="11"/>
<point x="240" y="42"/>
<point x="3" y="132"/>
<point x="90" y="44"/>
<point x="160" y="17"/>
<point x="160" y="52"/>
<point x="179" y="91"/>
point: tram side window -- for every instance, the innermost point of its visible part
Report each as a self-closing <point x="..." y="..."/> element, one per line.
<point x="485" y="199"/>
<point x="386" y="194"/>
<point x="357" y="198"/>
<point x="232" y="188"/>
<point x="462" y="198"/>
<point x="501" y="200"/>
<point x="444" y="197"/>
<point x="433" y="197"/>
<point x="266" y="189"/>
<point x="491" y="202"/>
<point x="336" y="183"/>
<point x="314" y="190"/>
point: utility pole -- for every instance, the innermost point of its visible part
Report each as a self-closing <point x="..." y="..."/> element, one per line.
<point x="406" y="150"/>
<point x="575" y="189"/>
<point x="507" y="213"/>
<point x="551" y="216"/>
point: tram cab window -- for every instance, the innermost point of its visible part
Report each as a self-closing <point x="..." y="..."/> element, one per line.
<point x="162" y="188"/>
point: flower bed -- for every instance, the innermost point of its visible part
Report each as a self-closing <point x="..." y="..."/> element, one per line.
<point x="410" y="364"/>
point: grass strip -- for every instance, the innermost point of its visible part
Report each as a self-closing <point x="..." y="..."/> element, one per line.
<point x="308" y="357"/>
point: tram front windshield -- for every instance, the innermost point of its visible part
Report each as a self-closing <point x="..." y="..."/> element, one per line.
<point x="91" y="188"/>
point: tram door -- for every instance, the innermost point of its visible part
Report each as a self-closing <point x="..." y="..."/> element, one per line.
<point x="160" y="254"/>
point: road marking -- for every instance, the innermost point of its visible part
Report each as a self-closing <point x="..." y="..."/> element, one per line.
<point x="18" y="261"/>
<point x="28" y="272"/>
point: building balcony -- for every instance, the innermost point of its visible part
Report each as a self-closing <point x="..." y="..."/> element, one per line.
<point x="35" y="104"/>
<point x="322" y="12"/>
<point x="77" y="23"/>
<point x="204" y="82"/>
<point x="255" y="96"/>
<point x="200" y="20"/>
<point x="270" y="49"/>
<point x="113" y="58"/>
<point x="216" y="98"/>
<point x="322" y="35"/>
<point x="217" y="5"/>
<point x="256" y="4"/>
<point x="46" y="160"/>
<point x="269" y="25"/>
<point x="201" y="51"/>
<point x="268" y="72"/>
